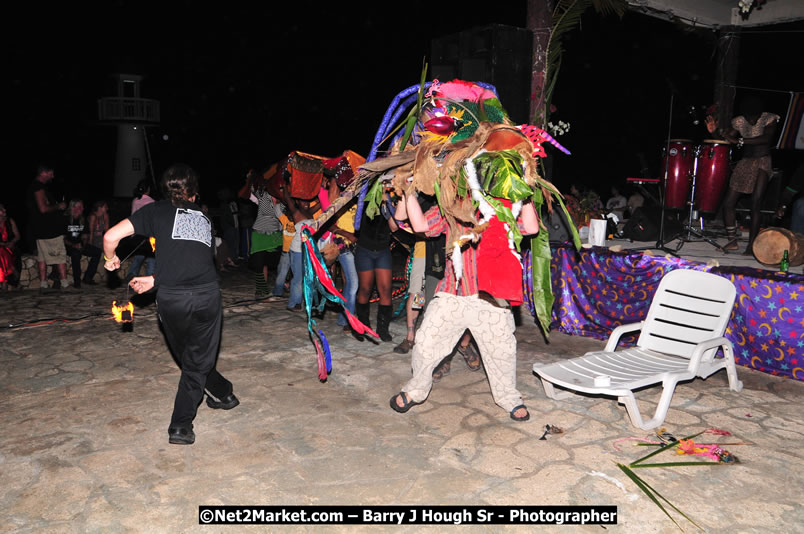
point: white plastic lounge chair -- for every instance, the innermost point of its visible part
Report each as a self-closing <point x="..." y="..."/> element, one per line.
<point x="680" y="337"/>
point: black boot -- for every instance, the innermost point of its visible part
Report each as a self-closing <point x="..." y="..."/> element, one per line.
<point x="383" y="322"/>
<point x="362" y="312"/>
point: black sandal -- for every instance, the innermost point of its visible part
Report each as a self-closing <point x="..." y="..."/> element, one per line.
<point x="470" y="356"/>
<point x="523" y="418"/>
<point x="407" y="404"/>
<point x="442" y="370"/>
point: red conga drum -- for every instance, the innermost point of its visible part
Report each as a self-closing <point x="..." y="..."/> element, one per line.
<point x="712" y="174"/>
<point x="679" y="162"/>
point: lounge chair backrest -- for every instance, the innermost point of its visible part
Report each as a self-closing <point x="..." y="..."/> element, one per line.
<point x="688" y="307"/>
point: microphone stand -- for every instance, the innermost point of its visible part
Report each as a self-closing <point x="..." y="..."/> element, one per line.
<point x="660" y="242"/>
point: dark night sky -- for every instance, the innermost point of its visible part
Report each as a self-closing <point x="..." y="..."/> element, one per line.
<point x="245" y="86"/>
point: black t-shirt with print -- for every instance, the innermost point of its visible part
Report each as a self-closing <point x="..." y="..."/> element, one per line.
<point x="184" y="254"/>
<point x="76" y="229"/>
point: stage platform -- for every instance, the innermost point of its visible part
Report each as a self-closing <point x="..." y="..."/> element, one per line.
<point x="699" y="251"/>
<point x="597" y="289"/>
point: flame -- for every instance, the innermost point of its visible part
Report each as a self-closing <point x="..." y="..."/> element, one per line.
<point x="117" y="311"/>
<point x="152" y="241"/>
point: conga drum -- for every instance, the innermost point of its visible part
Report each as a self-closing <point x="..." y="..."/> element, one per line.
<point x="770" y="244"/>
<point x="712" y="174"/>
<point x="678" y="161"/>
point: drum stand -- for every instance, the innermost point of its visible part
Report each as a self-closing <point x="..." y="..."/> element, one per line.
<point x="688" y="228"/>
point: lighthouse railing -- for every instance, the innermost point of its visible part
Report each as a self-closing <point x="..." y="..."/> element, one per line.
<point x="128" y="109"/>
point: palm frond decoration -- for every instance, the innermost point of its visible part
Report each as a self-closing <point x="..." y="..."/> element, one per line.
<point x="566" y="16"/>
<point x="501" y="173"/>
<point x="414" y="113"/>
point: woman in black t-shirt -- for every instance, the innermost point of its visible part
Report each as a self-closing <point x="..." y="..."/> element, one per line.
<point x="188" y="296"/>
<point x="373" y="264"/>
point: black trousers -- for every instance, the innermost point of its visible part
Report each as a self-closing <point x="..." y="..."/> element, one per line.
<point x="191" y="320"/>
<point x="263" y="258"/>
<point x="94" y="255"/>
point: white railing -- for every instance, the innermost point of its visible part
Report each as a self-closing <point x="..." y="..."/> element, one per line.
<point x="128" y="109"/>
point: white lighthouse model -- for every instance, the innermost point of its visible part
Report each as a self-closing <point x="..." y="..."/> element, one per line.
<point x="132" y="114"/>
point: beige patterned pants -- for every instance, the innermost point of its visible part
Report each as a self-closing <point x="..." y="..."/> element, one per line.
<point x="446" y="319"/>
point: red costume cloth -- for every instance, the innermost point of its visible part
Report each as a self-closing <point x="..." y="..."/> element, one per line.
<point x="499" y="271"/>
<point x="6" y="253"/>
<point x="306" y="174"/>
<point x="489" y="266"/>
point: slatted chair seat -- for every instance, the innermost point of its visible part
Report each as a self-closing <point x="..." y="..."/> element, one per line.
<point x="679" y="340"/>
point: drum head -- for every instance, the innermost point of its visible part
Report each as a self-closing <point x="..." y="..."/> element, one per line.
<point x="715" y="142"/>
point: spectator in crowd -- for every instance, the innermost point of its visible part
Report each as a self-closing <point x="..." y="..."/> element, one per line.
<point x="76" y="241"/>
<point x="635" y="202"/>
<point x="344" y="232"/>
<point x="47" y="226"/>
<point x="229" y="223"/>
<point x="616" y="203"/>
<point x="788" y="198"/>
<point x="373" y="263"/>
<point x="341" y="235"/>
<point x="223" y="258"/>
<point x="301" y="211"/>
<point x="9" y="237"/>
<point x="288" y="233"/>
<point x="266" y="239"/>
<point x="246" y="213"/>
<point x="98" y="225"/>
<point x="142" y="197"/>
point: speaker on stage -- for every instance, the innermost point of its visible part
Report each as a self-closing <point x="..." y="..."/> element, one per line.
<point x="644" y="225"/>
<point x="495" y="54"/>
<point x="558" y="226"/>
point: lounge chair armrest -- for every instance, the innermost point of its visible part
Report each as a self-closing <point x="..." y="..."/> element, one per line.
<point x="703" y="346"/>
<point x="616" y="334"/>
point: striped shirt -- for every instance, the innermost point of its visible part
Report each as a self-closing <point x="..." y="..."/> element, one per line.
<point x="437" y="225"/>
<point x="468" y="285"/>
<point x="267" y="221"/>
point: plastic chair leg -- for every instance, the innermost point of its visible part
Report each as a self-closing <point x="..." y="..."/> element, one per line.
<point x="661" y="409"/>
<point x="554" y="394"/>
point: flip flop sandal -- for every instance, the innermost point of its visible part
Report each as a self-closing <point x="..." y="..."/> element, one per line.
<point x="406" y="404"/>
<point x="470" y="356"/>
<point x="523" y="418"/>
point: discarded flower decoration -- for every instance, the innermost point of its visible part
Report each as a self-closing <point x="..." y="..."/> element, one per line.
<point x="684" y="446"/>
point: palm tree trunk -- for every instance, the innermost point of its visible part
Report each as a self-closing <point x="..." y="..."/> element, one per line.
<point x="540" y="22"/>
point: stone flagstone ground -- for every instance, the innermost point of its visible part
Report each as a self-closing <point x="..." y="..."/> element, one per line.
<point x="85" y="408"/>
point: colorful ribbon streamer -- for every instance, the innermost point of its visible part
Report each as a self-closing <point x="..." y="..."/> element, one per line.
<point x="318" y="288"/>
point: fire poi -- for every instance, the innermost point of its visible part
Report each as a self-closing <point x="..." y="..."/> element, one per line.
<point x="124" y="313"/>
